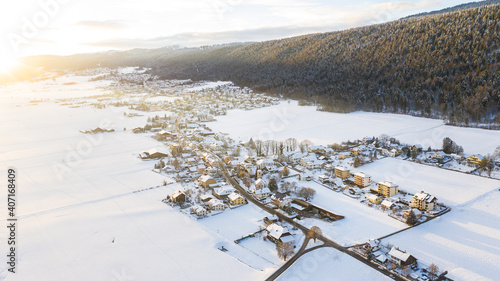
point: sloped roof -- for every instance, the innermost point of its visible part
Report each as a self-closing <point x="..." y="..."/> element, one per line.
<point x="387" y="203"/>
<point x="275" y="230"/>
<point x="224" y="190"/>
<point x="177" y="193"/>
<point x="400" y="255"/>
<point x="388" y="183"/>
<point x="361" y="174"/>
<point x="234" y="196"/>
<point x="204" y="178"/>
<point x="278" y="196"/>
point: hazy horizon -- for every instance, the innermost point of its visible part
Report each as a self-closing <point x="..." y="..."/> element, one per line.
<point x="65" y="27"/>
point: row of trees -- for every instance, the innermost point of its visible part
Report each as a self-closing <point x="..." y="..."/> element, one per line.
<point x="263" y="148"/>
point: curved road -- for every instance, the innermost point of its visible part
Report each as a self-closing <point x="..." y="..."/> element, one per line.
<point x="327" y="242"/>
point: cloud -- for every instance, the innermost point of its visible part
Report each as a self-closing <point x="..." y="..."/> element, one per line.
<point x="107" y="24"/>
<point x="194" y="39"/>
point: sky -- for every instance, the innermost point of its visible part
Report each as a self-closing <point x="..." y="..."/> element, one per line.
<point x="62" y="27"/>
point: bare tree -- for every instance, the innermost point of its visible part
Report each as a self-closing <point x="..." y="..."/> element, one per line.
<point x="291" y="144"/>
<point x="285" y="250"/>
<point x="285" y="172"/>
<point x="433" y="271"/>
<point x="406" y="271"/>
<point x="304" y="145"/>
<point x="314" y="233"/>
<point x="307" y="193"/>
<point x="496" y="154"/>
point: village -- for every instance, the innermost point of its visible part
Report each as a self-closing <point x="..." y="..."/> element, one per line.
<point x="283" y="175"/>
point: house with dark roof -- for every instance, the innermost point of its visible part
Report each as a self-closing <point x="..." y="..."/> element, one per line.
<point x="401" y="258"/>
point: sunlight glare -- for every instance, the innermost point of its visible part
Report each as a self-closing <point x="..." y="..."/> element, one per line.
<point x="7" y="63"/>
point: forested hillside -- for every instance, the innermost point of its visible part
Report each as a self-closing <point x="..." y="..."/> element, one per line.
<point x="444" y="66"/>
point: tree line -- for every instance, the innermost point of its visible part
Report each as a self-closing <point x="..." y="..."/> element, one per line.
<point x="441" y="66"/>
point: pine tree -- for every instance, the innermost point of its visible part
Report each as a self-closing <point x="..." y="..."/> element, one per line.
<point x="411" y="219"/>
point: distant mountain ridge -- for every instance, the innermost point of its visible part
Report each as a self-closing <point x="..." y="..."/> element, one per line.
<point x="440" y="66"/>
<point x="456" y="8"/>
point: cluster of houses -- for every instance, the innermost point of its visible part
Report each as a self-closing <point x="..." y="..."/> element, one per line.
<point x="201" y="107"/>
<point x="216" y="197"/>
<point x="382" y="255"/>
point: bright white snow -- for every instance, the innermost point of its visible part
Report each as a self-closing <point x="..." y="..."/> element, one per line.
<point x="289" y="120"/>
<point x="465" y="242"/>
<point x="329" y="264"/>
<point x="450" y="187"/>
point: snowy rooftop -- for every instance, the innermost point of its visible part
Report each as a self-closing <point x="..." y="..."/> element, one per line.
<point x="400" y="255"/>
<point x="388" y="184"/>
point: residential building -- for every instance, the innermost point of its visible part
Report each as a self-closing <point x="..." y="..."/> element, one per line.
<point x="279" y="234"/>
<point x="423" y="201"/>
<point x="223" y="191"/>
<point x="386" y="204"/>
<point x="416" y="212"/>
<point x="475" y="159"/>
<point x="374" y="199"/>
<point x="199" y="210"/>
<point x="387" y="188"/>
<point x="308" y="158"/>
<point x="316" y="149"/>
<point x="216" y="205"/>
<point x="153" y="154"/>
<point x="314" y="164"/>
<point x="360" y="179"/>
<point x="206" y="180"/>
<point x="324" y="178"/>
<point x="178" y="196"/>
<point x="343" y="156"/>
<point x="236" y="199"/>
<point x="201" y="169"/>
<point x="259" y="184"/>
<point x="261" y="193"/>
<point x="342" y="173"/>
<point x="355" y="151"/>
<point x="401" y="258"/>
<point x="279" y="199"/>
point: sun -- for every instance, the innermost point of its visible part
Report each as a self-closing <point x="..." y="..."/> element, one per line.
<point x="7" y="63"/>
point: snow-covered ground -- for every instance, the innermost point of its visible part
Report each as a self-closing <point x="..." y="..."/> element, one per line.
<point x="80" y="220"/>
<point x="162" y="99"/>
<point x="289" y="120"/>
<point x="133" y="237"/>
<point x="207" y="85"/>
<point x="360" y="224"/>
<point x="450" y="187"/>
<point x="78" y="216"/>
<point x="59" y="166"/>
<point x="329" y="264"/>
<point x="236" y="223"/>
<point x="465" y="242"/>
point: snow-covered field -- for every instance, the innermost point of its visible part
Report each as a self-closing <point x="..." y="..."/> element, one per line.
<point x="329" y="264"/>
<point x="289" y="120"/>
<point x="240" y="222"/>
<point x="80" y="220"/>
<point x="162" y="99"/>
<point x="132" y="237"/>
<point x="465" y="242"/>
<point x="78" y="217"/>
<point x="360" y="224"/>
<point x="450" y="187"/>
<point x="207" y="85"/>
